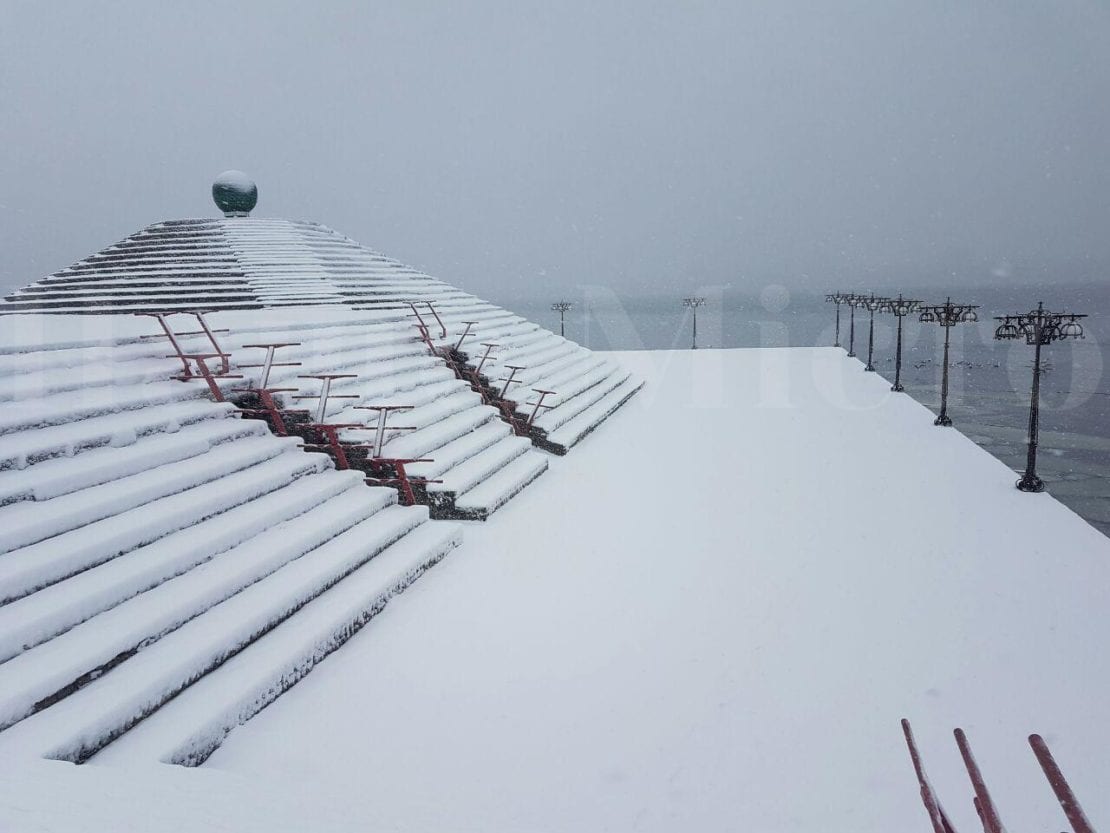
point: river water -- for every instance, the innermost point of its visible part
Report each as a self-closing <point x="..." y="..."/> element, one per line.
<point x="989" y="380"/>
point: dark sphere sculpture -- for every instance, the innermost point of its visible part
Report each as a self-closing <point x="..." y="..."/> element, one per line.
<point x="235" y="193"/>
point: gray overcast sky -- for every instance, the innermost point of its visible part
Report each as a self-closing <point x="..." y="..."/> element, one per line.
<point x="524" y="147"/>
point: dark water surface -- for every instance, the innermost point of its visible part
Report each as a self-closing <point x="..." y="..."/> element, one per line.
<point x="989" y="380"/>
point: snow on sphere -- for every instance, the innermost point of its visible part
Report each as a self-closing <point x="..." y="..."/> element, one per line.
<point x="235" y="193"/>
<point x="775" y="298"/>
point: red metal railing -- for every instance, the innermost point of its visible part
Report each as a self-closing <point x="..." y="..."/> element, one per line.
<point x="179" y="352"/>
<point x="982" y="800"/>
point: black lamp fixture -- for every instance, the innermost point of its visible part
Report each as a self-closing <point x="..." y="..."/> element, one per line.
<point x="947" y="315"/>
<point x="1038" y="327"/>
<point x="562" y="307"/>
<point x="837" y="298"/>
<point x="900" y="307"/>
<point x="853" y="301"/>
<point x="873" y="305"/>
<point x="693" y="304"/>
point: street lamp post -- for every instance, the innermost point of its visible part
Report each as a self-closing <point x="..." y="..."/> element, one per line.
<point x="562" y="307"/>
<point x="693" y="304"/>
<point x="1038" y="327"/>
<point x="837" y="298"/>
<point x="947" y="315"/>
<point x="901" y="307"/>
<point x="852" y="301"/>
<point x="873" y="305"/>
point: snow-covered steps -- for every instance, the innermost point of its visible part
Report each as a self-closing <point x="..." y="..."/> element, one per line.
<point x="497" y="489"/>
<point x="84" y="722"/>
<point x="382" y="352"/>
<point x="29" y="523"/>
<point x="470" y="473"/>
<point x="564" y="425"/>
<point x="168" y="567"/>
<point x="150" y="533"/>
<point x="473" y="440"/>
<point x="349" y="308"/>
<point x="54" y="610"/>
<point x="336" y="305"/>
<point x="380" y="349"/>
<point x="485" y="480"/>
<point x="146" y="625"/>
<point x="65" y="475"/>
<point x="537" y="360"/>
<point x="190" y="727"/>
<point x="232" y="263"/>
<point x="21" y="448"/>
<point x="30" y="568"/>
<point x="85" y="649"/>
<point x="581" y="423"/>
<point x="390" y="364"/>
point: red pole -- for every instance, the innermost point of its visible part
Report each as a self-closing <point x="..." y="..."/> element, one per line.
<point x="987" y="811"/>
<point x="936" y="813"/>
<point x="488" y="347"/>
<point x="442" y="327"/>
<point x="1064" y="795"/>
<point x="225" y="366"/>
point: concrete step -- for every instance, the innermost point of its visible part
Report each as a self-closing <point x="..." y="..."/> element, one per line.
<point x="28" y="523"/>
<point x="64" y="663"/>
<point x="479" y="467"/>
<point x="25" y="448"/>
<point x="495" y="491"/>
<point x="31" y="568"/>
<point x="53" y="610"/>
<point x="572" y="431"/>
<point x="62" y="476"/>
<point x="86" y="721"/>
<point x="190" y="727"/>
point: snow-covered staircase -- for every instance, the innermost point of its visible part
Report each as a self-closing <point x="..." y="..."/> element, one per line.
<point x="585" y="387"/>
<point x="472" y="451"/>
<point x="468" y="445"/>
<point x="153" y="541"/>
<point x="249" y="263"/>
<point x="171" y="558"/>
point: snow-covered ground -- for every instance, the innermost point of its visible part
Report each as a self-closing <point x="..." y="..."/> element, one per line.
<point x="709" y="617"/>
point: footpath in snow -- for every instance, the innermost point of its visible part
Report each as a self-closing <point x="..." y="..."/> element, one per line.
<point x="711" y="617"/>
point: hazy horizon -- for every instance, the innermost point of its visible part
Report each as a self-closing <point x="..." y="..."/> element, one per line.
<point x="522" y="150"/>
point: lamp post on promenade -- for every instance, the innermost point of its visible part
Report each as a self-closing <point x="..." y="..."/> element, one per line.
<point x="837" y="298"/>
<point x="947" y="315"/>
<point x="901" y="307"/>
<point x="562" y="307"/>
<point x="693" y="304"/>
<point x="852" y="301"/>
<point x="873" y="305"/>
<point x="1039" y="328"/>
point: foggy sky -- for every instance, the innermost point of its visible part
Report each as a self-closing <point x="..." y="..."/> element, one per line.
<point x="528" y="148"/>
